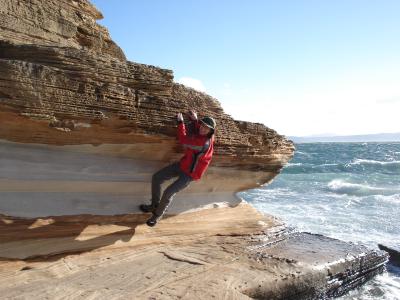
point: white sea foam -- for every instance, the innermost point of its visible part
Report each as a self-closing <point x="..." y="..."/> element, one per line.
<point x="395" y="199"/>
<point x="340" y="186"/>
<point x="263" y="195"/>
<point x="374" y="162"/>
<point x="329" y="165"/>
<point x="304" y="153"/>
<point x="293" y="164"/>
<point x="385" y="287"/>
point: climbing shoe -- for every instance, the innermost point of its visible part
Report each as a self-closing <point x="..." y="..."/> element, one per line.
<point x="153" y="220"/>
<point x="146" y="208"/>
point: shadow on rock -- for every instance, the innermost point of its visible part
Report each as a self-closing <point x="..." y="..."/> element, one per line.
<point x="51" y="238"/>
<point x="394" y="255"/>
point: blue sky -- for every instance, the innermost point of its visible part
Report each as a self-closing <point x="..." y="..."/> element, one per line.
<point x="299" y="67"/>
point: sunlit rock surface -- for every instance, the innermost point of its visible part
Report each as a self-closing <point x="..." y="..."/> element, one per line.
<point x="81" y="132"/>
<point x="109" y="122"/>
<point x="221" y="253"/>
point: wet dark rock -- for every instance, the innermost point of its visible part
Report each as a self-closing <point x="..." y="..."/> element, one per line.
<point x="394" y="254"/>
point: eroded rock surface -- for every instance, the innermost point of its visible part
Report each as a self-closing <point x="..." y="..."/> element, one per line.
<point x="221" y="253"/>
<point x="70" y="95"/>
<point x="60" y="23"/>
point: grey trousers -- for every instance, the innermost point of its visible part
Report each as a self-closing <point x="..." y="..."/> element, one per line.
<point x="179" y="184"/>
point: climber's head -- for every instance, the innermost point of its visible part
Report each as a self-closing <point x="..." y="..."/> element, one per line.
<point x="207" y="126"/>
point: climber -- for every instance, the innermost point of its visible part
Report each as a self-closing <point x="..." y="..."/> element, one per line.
<point x="198" y="140"/>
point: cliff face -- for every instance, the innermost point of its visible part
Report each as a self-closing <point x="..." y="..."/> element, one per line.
<point x="81" y="132"/>
<point x="104" y="121"/>
<point x="60" y="23"/>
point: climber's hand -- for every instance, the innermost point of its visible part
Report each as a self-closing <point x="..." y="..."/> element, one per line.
<point x="179" y="117"/>
<point x="192" y="115"/>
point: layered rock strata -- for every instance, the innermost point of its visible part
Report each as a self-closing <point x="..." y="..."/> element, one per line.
<point x="218" y="253"/>
<point x="60" y="23"/>
<point x="81" y="132"/>
<point x="92" y="103"/>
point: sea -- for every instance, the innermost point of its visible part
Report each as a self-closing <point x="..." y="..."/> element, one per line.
<point x="348" y="191"/>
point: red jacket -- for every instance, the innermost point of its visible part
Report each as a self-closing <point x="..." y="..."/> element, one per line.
<point x="198" y="151"/>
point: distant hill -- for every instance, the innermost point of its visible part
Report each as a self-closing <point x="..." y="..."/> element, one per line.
<point x="380" y="137"/>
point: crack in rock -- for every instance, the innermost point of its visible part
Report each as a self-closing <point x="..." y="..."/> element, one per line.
<point x="183" y="258"/>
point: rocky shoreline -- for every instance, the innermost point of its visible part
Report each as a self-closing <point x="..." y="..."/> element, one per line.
<point x="221" y="253"/>
<point x="81" y="132"/>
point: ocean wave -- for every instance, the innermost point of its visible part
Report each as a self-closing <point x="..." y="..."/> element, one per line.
<point x="306" y="168"/>
<point x="375" y="166"/>
<point x="394" y="199"/>
<point x="327" y="165"/>
<point x="340" y="186"/>
<point x="293" y="165"/>
<point x="303" y="153"/>
<point x="375" y="162"/>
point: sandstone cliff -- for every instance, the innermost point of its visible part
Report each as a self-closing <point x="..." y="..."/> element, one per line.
<point x="81" y="132"/>
<point x="66" y="85"/>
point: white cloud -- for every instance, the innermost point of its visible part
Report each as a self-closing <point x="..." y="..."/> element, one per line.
<point x="193" y="83"/>
<point x="226" y="90"/>
<point x="389" y="100"/>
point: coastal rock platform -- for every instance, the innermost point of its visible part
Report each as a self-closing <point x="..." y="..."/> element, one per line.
<point x="216" y="253"/>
